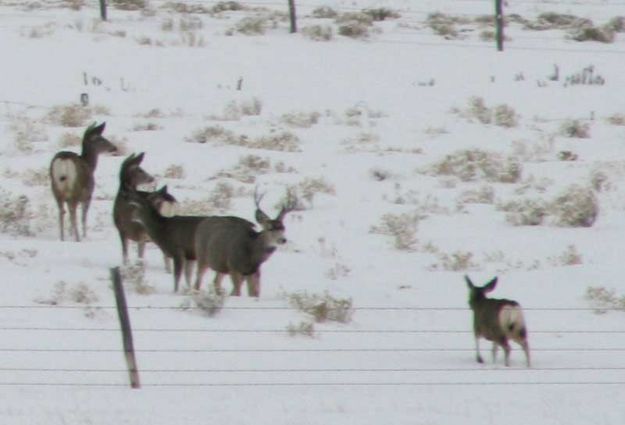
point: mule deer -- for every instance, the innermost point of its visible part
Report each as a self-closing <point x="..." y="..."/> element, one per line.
<point x="72" y="180"/>
<point x="496" y="320"/>
<point x="131" y="175"/>
<point x="175" y="235"/>
<point x="234" y="247"/>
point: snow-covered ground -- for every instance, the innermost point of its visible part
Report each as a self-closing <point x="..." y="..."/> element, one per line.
<point x="356" y="126"/>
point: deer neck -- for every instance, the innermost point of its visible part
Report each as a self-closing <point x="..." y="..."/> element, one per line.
<point x="261" y="250"/>
<point x="126" y="185"/>
<point x="90" y="156"/>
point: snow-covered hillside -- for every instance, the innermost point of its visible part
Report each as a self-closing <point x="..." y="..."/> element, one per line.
<point x="418" y="153"/>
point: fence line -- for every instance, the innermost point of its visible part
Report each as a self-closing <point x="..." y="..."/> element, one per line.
<point x="323" y="331"/>
<point x="287" y="308"/>
<point x="317" y="384"/>
<point x="320" y="370"/>
<point x="299" y="350"/>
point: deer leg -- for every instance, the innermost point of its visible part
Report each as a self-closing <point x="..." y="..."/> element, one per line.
<point x="178" y="264"/>
<point x="167" y="262"/>
<point x="188" y="271"/>
<point x="478" y="356"/>
<point x="200" y="271"/>
<point x="494" y="351"/>
<point x="526" y="350"/>
<point x="140" y="249"/>
<point x="506" y="349"/>
<point x="124" y="242"/>
<point x="61" y="219"/>
<point x="237" y="281"/>
<point x="72" y="219"/>
<point x="253" y="284"/>
<point x="217" y="283"/>
<point x="85" y="210"/>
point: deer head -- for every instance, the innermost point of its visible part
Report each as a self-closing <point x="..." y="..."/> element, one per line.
<point x="274" y="229"/>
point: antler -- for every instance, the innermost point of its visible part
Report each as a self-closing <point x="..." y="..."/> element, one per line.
<point x="290" y="203"/>
<point x="258" y="197"/>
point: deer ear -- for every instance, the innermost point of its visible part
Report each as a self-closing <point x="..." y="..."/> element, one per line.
<point x="100" y="128"/>
<point x="163" y="189"/>
<point x="261" y="217"/>
<point x="469" y="283"/>
<point x="139" y="158"/>
<point x="490" y="285"/>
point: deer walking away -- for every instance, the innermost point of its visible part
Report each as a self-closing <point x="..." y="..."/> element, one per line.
<point x="72" y="177"/>
<point x="497" y="320"/>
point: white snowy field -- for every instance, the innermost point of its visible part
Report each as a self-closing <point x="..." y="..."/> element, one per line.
<point x="418" y="158"/>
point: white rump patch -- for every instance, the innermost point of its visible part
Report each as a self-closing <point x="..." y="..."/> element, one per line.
<point x="511" y="320"/>
<point x="64" y="175"/>
<point x="168" y="209"/>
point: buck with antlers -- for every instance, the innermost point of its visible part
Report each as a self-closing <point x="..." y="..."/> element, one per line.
<point x="234" y="247"/>
<point x="132" y="175"/>
<point x="72" y="179"/>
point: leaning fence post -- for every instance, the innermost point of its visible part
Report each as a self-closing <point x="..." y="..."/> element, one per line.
<point x="124" y="321"/>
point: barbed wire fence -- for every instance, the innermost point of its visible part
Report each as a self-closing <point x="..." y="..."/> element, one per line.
<point x="380" y="363"/>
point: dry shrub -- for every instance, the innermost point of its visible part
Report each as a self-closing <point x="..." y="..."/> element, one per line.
<point x="134" y="278"/>
<point x="324" y="12"/>
<point x="381" y="13"/>
<point x="300" y="119"/>
<point x="284" y="141"/>
<point x="354" y="24"/>
<point x="175" y="171"/>
<point x="616" y="119"/>
<point x="318" y="32"/>
<point x="603" y="299"/>
<point x="402" y="228"/>
<point x="253" y="25"/>
<point x="248" y="168"/>
<point x="556" y="21"/>
<point x="310" y="187"/>
<point x="456" y="261"/>
<point x="36" y="177"/>
<point x="221" y="196"/>
<point x="70" y="115"/>
<point x="505" y="116"/>
<point x="501" y="115"/>
<point x="16" y="214"/>
<point x="577" y="206"/>
<point x="445" y="25"/>
<point x="525" y="212"/>
<point x="210" y="134"/>
<point x="27" y="132"/>
<point x="475" y="164"/>
<point x="323" y="308"/>
<point x="210" y="303"/>
<point x="79" y="293"/>
<point x="484" y="195"/>
<point x="129" y="4"/>
<point x="67" y="140"/>
<point x="575" y="129"/>
<point x="570" y="257"/>
<point x="304" y="328"/>
<point x="591" y="33"/>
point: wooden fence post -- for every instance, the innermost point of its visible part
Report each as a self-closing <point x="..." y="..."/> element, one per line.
<point x="124" y="320"/>
<point x="293" y="16"/>
<point x="499" y="23"/>
<point x="103" y="9"/>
